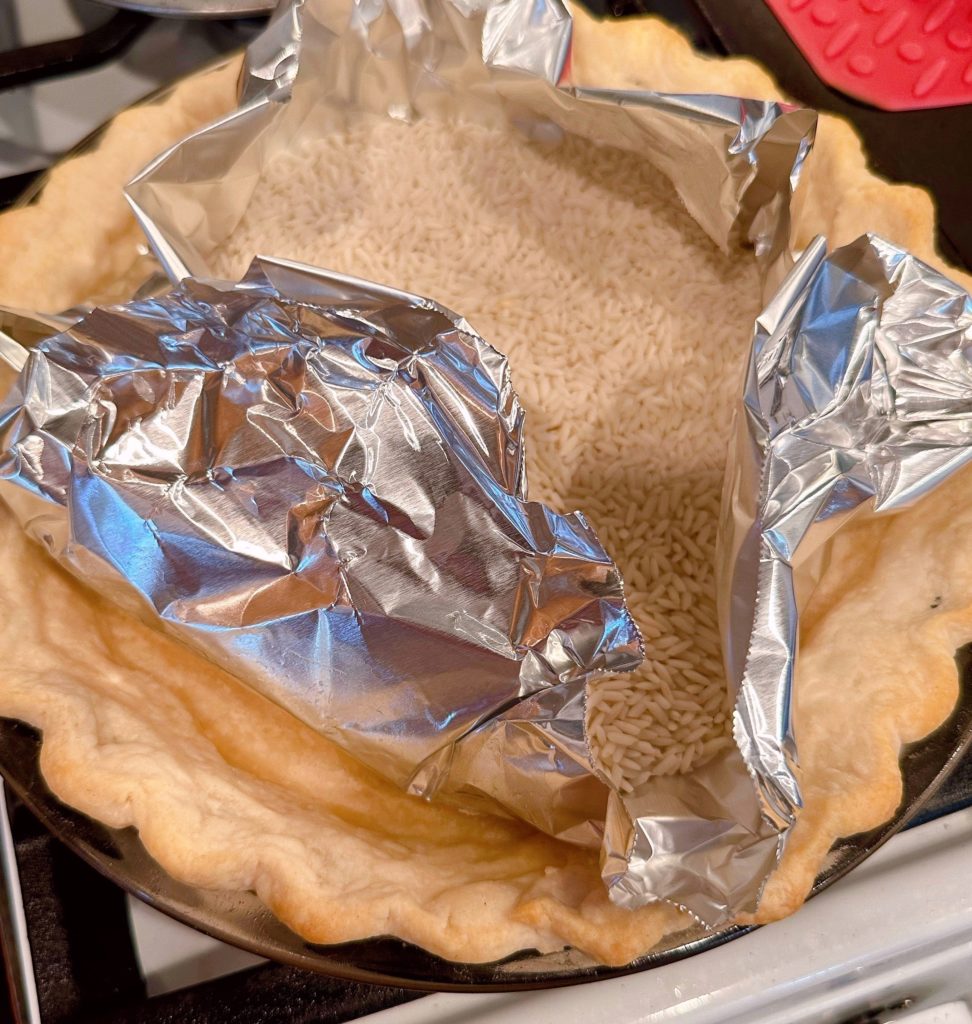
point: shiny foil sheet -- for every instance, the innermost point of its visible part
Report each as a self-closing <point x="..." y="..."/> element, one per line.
<point x="857" y="401"/>
<point x="504" y="64"/>
<point x="318" y="484"/>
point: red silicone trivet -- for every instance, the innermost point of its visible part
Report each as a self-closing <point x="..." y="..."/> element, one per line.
<point x="895" y="54"/>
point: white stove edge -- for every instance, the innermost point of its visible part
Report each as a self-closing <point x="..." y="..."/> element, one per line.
<point x="899" y="927"/>
<point x="21" y="970"/>
<point x="172" y="956"/>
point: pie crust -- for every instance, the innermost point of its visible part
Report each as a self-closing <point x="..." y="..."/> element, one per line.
<point x="230" y="792"/>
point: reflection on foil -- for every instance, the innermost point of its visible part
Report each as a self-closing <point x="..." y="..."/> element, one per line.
<point x="320" y="64"/>
<point x="318" y="484"/>
<point x="857" y="400"/>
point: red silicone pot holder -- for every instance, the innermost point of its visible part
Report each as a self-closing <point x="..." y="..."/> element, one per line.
<point x="894" y="54"/>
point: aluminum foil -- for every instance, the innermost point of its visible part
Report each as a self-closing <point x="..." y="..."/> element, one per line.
<point x="318" y="484"/>
<point x="858" y="401"/>
<point x="503" y="63"/>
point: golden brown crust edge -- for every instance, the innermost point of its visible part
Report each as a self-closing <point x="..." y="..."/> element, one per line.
<point x="231" y="792"/>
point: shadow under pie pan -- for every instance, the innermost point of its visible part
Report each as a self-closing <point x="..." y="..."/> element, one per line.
<point x="240" y="919"/>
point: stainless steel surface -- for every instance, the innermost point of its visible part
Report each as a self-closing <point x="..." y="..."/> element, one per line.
<point x="42" y="121"/>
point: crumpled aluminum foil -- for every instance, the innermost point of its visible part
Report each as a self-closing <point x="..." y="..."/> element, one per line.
<point x="857" y="401"/>
<point x="503" y="63"/>
<point x="318" y="484"/>
<point x="705" y="842"/>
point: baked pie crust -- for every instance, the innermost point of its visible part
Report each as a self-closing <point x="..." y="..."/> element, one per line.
<point x="230" y="792"/>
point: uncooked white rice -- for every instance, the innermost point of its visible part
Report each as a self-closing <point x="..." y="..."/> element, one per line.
<point x="625" y="329"/>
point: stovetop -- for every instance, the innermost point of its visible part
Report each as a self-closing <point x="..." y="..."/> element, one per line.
<point x="66" y="66"/>
<point x="98" y="957"/>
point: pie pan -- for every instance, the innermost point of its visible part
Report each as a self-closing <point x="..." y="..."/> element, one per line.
<point x="242" y="920"/>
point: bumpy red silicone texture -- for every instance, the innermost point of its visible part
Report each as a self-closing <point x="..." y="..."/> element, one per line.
<point x="893" y="54"/>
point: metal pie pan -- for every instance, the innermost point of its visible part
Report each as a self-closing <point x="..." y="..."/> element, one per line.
<point x="240" y="919"/>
